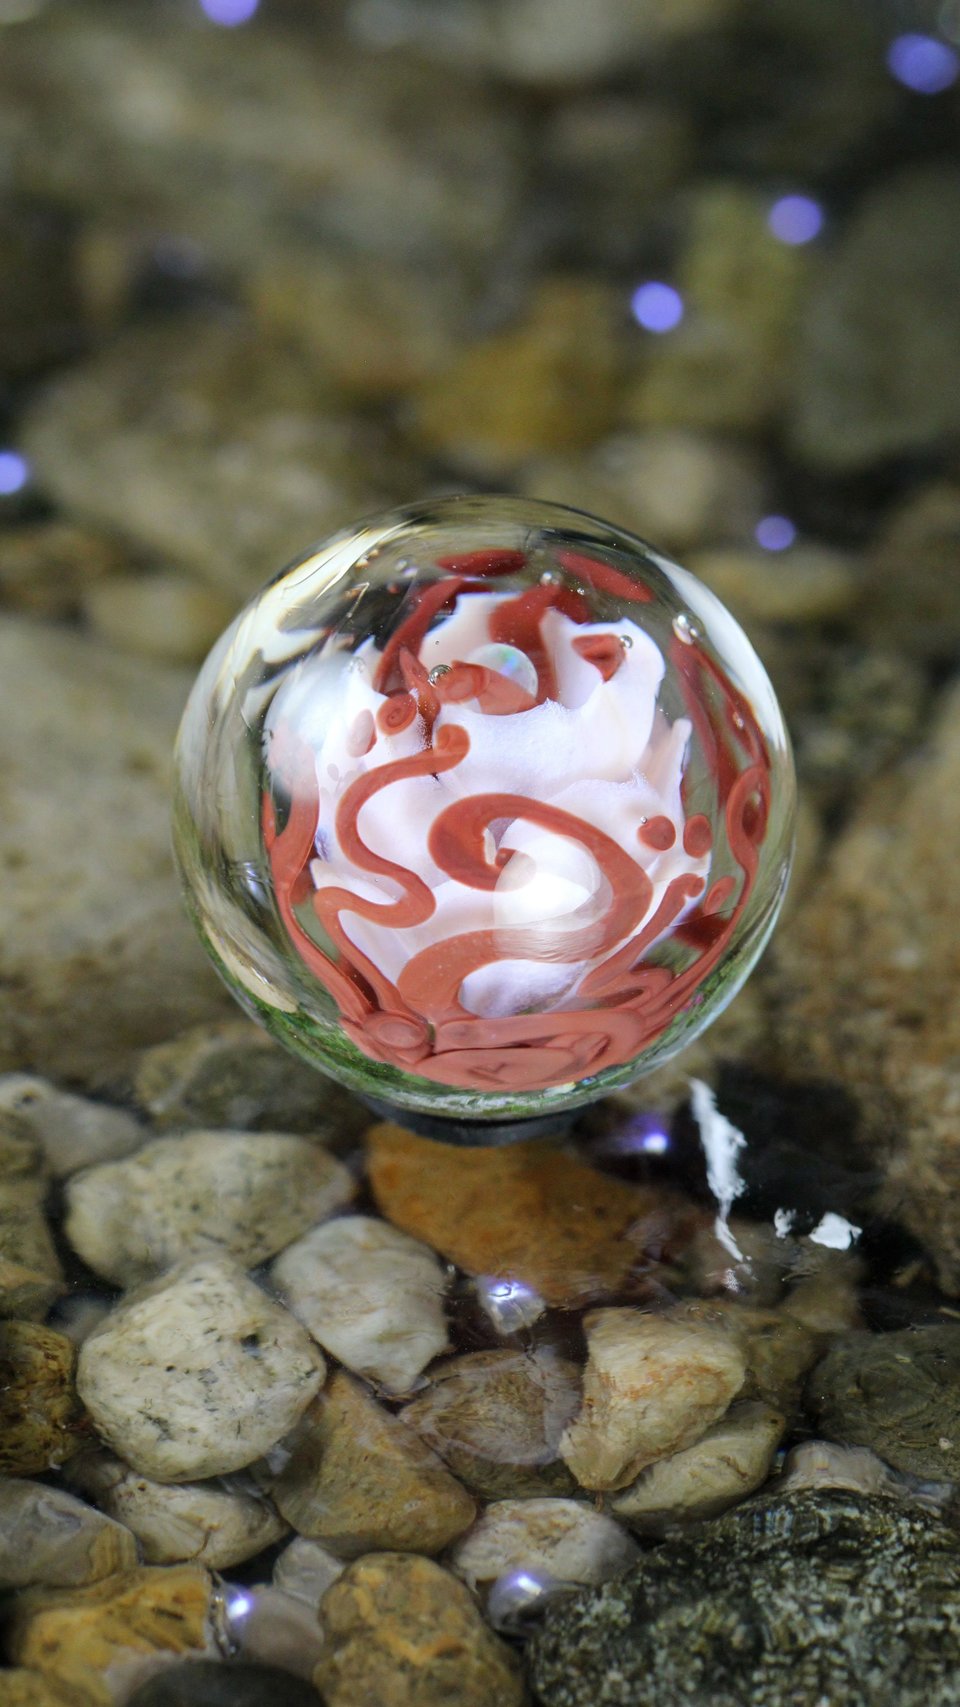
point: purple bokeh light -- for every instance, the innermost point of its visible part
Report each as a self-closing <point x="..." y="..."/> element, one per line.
<point x="795" y="219"/>
<point x="657" y="307"/>
<point x="229" y="13"/>
<point x="775" y="533"/>
<point x="14" y="472"/>
<point x="923" y="63"/>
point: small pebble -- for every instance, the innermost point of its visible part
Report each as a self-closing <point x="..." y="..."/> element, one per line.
<point x="205" y="1683"/>
<point x="269" y="1627"/>
<point x="217" y="1524"/>
<point x="401" y="1632"/>
<point x="807" y="583"/>
<point x="306" y="1570"/>
<point x="164" y="615"/>
<point x="197" y="1374"/>
<point x="652" y="1386"/>
<point x="48" y="1537"/>
<point x="566" y="1540"/>
<point x="360" y="1481"/>
<point x="729" y="1462"/>
<point x="246" y="1193"/>
<point x="234" y="1075"/>
<point x="30" y="1273"/>
<point x="40" y="1415"/>
<point x="370" y="1295"/>
<point x="824" y="1464"/>
<point x="496" y="1418"/>
<point x="73" y="1131"/>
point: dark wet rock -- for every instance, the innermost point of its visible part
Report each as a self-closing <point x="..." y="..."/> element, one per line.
<point x="897" y="1393"/>
<point x="921" y="537"/>
<point x="40" y="307"/>
<point x="819" y="1597"/>
<point x="204" y="1683"/>
<point x="40" y="1414"/>
<point x="48" y="567"/>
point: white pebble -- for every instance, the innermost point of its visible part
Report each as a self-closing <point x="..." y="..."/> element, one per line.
<point x="217" y="1523"/>
<point x="73" y="1132"/>
<point x="725" y="1465"/>
<point x="306" y="1570"/>
<point x="566" y="1540"/>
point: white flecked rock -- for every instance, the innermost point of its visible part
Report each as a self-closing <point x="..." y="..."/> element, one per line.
<point x="725" y="1465"/>
<point x="72" y="1132"/>
<point x="567" y="1540"/>
<point x="197" y="1374"/>
<point x="49" y="1537"/>
<point x="241" y="1192"/>
<point x="306" y="1570"/>
<point x="652" y="1386"/>
<point x="217" y="1523"/>
<point x="371" y="1295"/>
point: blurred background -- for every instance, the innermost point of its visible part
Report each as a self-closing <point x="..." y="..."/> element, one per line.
<point x="266" y="265"/>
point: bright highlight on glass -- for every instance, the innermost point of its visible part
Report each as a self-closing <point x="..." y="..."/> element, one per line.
<point x="229" y="13"/>
<point x="795" y="219"/>
<point x="657" y="307"/>
<point x="775" y="533"/>
<point x="923" y="63"/>
<point x="14" y="472"/>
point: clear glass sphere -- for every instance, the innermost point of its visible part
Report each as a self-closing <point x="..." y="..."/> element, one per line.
<point x="484" y="807"/>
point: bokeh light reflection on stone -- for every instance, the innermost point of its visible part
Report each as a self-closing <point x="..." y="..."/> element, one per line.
<point x="15" y="473"/>
<point x="229" y="13"/>
<point x="796" y="219"/>
<point x="657" y="307"/>
<point x="923" y="63"/>
<point x="775" y="533"/>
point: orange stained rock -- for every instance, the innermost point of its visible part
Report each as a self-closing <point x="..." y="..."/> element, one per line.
<point x="526" y="1212"/>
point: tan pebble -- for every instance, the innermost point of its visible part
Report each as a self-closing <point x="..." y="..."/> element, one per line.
<point x="565" y="1539"/>
<point x="808" y="583"/>
<point x="306" y="1570"/>
<point x="652" y="1385"/>
<point x="165" y="615"/>
<point x="215" y="1523"/>
<point x="20" y="1687"/>
<point x="359" y="1480"/>
<point x="824" y="1464"/>
<point x="41" y="1419"/>
<point x="731" y="1460"/>
<point x="401" y="1632"/>
<point x="778" y="1348"/>
<point x="30" y="1273"/>
<point x="71" y="1131"/>
<point x="49" y="1537"/>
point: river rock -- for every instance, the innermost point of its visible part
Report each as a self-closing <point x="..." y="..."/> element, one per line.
<point x="41" y="1419"/>
<point x="917" y="540"/>
<point x="496" y="1418"/>
<point x="164" y="615"/>
<point x="48" y="1537"/>
<point x="898" y="1394"/>
<point x="47" y="567"/>
<point x="652" y="1386"/>
<point x="234" y="1075"/>
<point x="727" y="364"/>
<point x="247" y="1194"/>
<point x="306" y="1570"/>
<point x="205" y="1683"/>
<point x="823" y="1464"/>
<point x="729" y="1462"/>
<point x="21" y="1686"/>
<point x="217" y="1524"/>
<point x="565" y="1540"/>
<point x="101" y="1640"/>
<point x="111" y="947"/>
<point x="30" y="1273"/>
<point x="505" y="1213"/>
<point x="809" y="583"/>
<point x="777" y="1348"/>
<point x="811" y="1598"/>
<point x="864" y="989"/>
<point x="404" y="1633"/>
<point x="547" y="384"/>
<point x="359" y="1480"/>
<point x="370" y="1295"/>
<point x="197" y="1374"/>
<point x="879" y="341"/>
<point x="72" y="1131"/>
<point x="269" y="1627"/>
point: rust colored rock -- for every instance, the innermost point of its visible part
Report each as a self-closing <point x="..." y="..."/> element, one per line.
<point x="404" y="1633"/>
<point x="527" y="1212"/>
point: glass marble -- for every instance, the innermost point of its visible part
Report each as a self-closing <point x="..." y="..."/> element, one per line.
<point x="484" y="807"/>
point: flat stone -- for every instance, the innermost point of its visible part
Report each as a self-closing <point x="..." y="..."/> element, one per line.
<point x="30" y="1273"/>
<point x="112" y="947"/>
<point x="197" y="1374"/>
<point x="164" y="615"/>
<point x="370" y="1295"/>
<point x="404" y="1633"/>
<point x="234" y="1075"/>
<point x="72" y="1131"/>
<point x="360" y="1481"/>
<point x="48" y="1537"/>
<point x="306" y="1570"/>
<point x="652" y="1386"/>
<point x="566" y="1540"/>
<point x="815" y="1597"/>
<point x="547" y="384"/>
<point x="41" y="1419"/>
<point x="205" y="1683"/>
<point x="105" y="1637"/>
<point x="879" y="342"/>
<point x="496" y="1418"/>
<point x="247" y="1194"/>
<point x="726" y="1464"/>
<point x="864" y="988"/>
<point x="728" y="363"/>
<point x="898" y="1394"/>
<point x="216" y="1524"/>
<point x="237" y="429"/>
<point x="506" y="1213"/>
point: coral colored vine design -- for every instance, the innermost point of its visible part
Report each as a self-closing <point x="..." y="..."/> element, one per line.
<point x="495" y="938"/>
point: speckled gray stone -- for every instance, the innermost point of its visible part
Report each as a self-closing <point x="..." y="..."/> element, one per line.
<point x="820" y="1598"/>
<point x="897" y="1393"/>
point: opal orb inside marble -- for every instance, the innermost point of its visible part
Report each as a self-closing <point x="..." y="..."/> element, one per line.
<point x="484" y="807"/>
